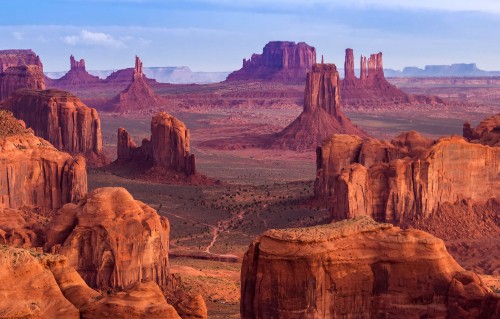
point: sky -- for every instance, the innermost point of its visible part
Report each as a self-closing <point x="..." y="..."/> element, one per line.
<point x="215" y="35"/>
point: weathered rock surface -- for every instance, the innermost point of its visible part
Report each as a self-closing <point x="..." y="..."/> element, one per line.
<point x="321" y="117"/>
<point x="111" y="239"/>
<point x="486" y="133"/>
<point x="168" y="147"/>
<point x="76" y="76"/>
<point x="10" y="58"/>
<point x="138" y="95"/>
<point x="358" y="269"/>
<point x="280" y="61"/>
<point x="21" y="228"/>
<point x="34" y="173"/>
<point x="62" y="119"/>
<point x="371" y="88"/>
<point x="410" y="178"/>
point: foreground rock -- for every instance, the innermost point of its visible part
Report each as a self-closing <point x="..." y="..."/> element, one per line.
<point x="321" y="117"/>
<point x="138" y="95"/>
<point x="486" y="133"/>
<point x="33" y="172"/>
<point x="280" y="61"/>
<point x="410" y="178"/>
<point x="358" y="269"/>
<point x="62" y="119"/>
<point x="168" y="148"/>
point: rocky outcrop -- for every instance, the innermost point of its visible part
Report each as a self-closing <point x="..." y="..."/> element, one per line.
<point x="21" y="228"/>
<point x="129" y="239"/>
<point x="10" y="58"/>
<point x="62" y="119"/>
<point x="280" y="61"/>
<point x="76" y="76"/>
<point x="321" y="117"/>
<point x="358" y="269"/>
<point x="486" y="133"/>
<point x="138" y="95"/>
<point x="371" y="88"/>
<point x="168" y="147"/>
<point x="407" y="179"/>
<point x="34" y="173"/>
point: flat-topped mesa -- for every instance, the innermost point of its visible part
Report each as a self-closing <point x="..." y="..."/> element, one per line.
<point x="410" y="178"/>
<point x="76" y="76"/>
<point x="281" y="61"/>
<point x="138" y="95"/>
<point x="168" y="147"/>
<point x="358" y="269"/>
<point x="10" y="58"/>
<point x="321" y="117"/>
<point x="61" y="118"/>
<point x="34" y="173"/>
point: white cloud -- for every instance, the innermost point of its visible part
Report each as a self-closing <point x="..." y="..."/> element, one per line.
<point x="92" y="38"/>
<point x="18" y="35"/>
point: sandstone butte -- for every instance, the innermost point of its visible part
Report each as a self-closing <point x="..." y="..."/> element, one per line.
<point x="280" y="61"/>
<point x="371" y="88"/>
<point x="409" y="178"/>
<point x="62" y="119"/>
<point x="20" y="69"/>
<point x="487" y="132"/>
<point x="33" y="172"/>
<point x="137" y="96"/>
<point x="76" y="76"/>
<point x="167" y="149"/>
<point x="111" y="262"/>
<point x="358" y="269"/>
<point x="322" y="115"/>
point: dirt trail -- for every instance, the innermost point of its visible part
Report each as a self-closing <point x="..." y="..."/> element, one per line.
<point x="223" y="226"/>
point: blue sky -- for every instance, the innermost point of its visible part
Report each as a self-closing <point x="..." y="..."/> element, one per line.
<point x="215" y="35"/>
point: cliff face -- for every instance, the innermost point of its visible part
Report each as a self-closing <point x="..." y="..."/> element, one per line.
<point x="358" y="269"/>
<point x="322" y="116"/>
<point x="168" y="147"/>
<point x="138" y="95"/>
<point x="34" y="173"/>
<point x="409" y="178"/>
<point x="10" y="58"/>
<point x="280" y="61"/>
<point x="61" y="118"/>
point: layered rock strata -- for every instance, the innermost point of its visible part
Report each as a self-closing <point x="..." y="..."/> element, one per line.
<point x="486" y="133"/>
<point x="411" y="177"/>
<point x="34" y="173"/>
<point x="322" y="115"/>
<point x="61" y="118"/>
<point x="358" y="269"/>
<point x="280" y="61"/>
<point x="168" y="147"/>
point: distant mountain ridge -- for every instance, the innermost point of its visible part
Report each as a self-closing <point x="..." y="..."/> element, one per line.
<point x="175" y="75"/>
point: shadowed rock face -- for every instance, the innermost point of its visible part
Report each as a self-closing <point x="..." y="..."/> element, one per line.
<point x="61" y="118"/>
<point x="34" y="173"/>
<point x="280" y="61"/>
<point x="322" y="116"/>
<point x="486" y="133"/>
<point x="168" y="147"/>
<point x="358" y="269"/>
<point x="409" y="178"/>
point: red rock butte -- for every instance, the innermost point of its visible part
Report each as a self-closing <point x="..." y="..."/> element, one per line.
<point x="280" y="61"/>
<point x="138" y="95"/>
<point x="358" y="269"/>
<point x="62" y="119"/>
<point x="322" y="115"/>
<point x="76" y="76"/>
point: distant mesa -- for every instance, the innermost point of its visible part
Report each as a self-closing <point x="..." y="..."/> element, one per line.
<point x="452" y="70"/>
<point x="62" y="119"/>
<point x="20" y="69"/>
<point x="138" y="95"/>
<point x="358" y="269"/>
<point x="322" y="115"/>
<point x="280" y="61"/>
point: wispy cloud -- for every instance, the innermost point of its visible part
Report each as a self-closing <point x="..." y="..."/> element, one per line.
<point x="18" y="35"/>
<point x="92" y="38"/>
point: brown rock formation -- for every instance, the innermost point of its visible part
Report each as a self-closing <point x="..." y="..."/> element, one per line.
<point x="129" y="239"/>
<point x="409" y="178"/>
<point x="138" y="95"/>
<point x="168" y="147"/>
<point x="62" y="119"/>
<point x="34" y="173"/>
<point x="322" y="116"/>
<point x="10" y="58"/>
<point x="76" y="76"/>
<point x="358" y="269"/>
<point x="280" y="61"/>
<point x="486" y="133"/>
<point x="21" y="228"/>
<point x="371" y="88"/>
